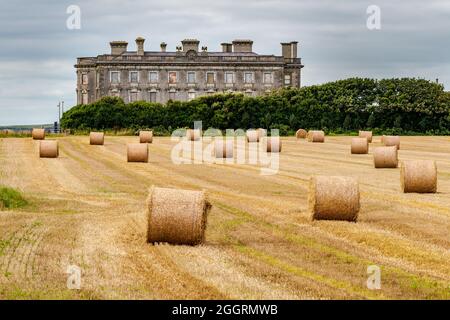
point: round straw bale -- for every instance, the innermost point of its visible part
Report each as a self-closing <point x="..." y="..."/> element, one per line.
<point x="97" y="138"/>
<point x="273" y="144"/>
<point x="385" y="157"/>
<point x="333" y="198"/>
<point x="366" y="134"/>
<point x="145" y="136"/>
<point x="223" y="149"/>
<point x="418" y="176"/>
<point x="252" y="136"/>
<point x="48" y="149"/>
<point x="177" y="216"/>
<point x="193" y="134"/>
<point x="316" y="136"/>
<point x="360" y="146"/>
<point x="390" y="141"/>
<point x="38" y="134"/>
<point x="301" y="134"/>
<point x="137" y="152"/>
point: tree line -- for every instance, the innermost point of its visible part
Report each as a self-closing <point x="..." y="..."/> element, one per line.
<point x="401" y="106"/>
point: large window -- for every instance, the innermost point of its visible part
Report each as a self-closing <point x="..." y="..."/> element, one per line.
<point x="248" y="77"/>
<point x="172" y="95"/>
<point x="172" y="77"/>
<point x="229" y="77"/>
<point x="287" y="79"/>
<point x="210" y="78"/>
<point x="84" y="78"/>
<point x="152" y="96"/>
<point x="191" y="77"/>
<point x="133" y="96"/>
<point x="191" y="95"/>
<point x="153" y="76"/>
<point x="84" y="98"/>
<point x="115" y="77"/>
<point x="268" y="77"/>
<point x="134" y="76"/>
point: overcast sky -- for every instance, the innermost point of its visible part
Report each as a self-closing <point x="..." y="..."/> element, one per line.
<point x="37" y="51"/>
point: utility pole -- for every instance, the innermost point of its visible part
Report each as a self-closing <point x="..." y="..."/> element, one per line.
<point x="62" y="107"/>
<point x="59" y="111"/>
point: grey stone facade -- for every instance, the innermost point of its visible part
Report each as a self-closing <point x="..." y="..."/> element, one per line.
<point x="185" y="74"/>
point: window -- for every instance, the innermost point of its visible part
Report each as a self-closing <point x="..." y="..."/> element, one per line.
<point x="134" y="76"/>
<point x="153" y="76"/>
<point x="172" y="95"/>
<point x="172" y="77"/>
<point x="210" y="77"/>
<point x="268" y="77"/>
<point x="287" y="79"/>
<point x="229" y="77"/>
<point x="191" y="95"/>
<point x="84" y="78"/>
<point x="152" y="96"/>
<point x="115" y="76"/>
<point x="191" y="77"/>
<point x="84" y="98"/>
<point x="248" y="77"/>
<point x="133" y="96"/>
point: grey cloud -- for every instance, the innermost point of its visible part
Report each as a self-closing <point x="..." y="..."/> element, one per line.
<point x="38" y="52"/>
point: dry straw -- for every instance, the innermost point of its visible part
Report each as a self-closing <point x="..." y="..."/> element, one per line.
<point x="193" y="134"/>
<point x="360" y="146"/>
<point x="382" y="139"/>
<point x="316" y="136"/>
<point x="390" y="141"/>
<point x="333" y="198"/>
<point x="223" y="148"/>
<point x="38" y="134"/>
<point x="385" y="157"/>
<point x="418" y="176"/>
<point x="137" y="152"/>
<point x="273" y="144"/>
<point x="177" y="216"/>
<point x="366" y="134"/>
<point x="145" y="136"/>
<point x="48" y="149"/>
<point x="301" y="134"/>
<point x="252" y="136"/>
<point x="97" y="138"/>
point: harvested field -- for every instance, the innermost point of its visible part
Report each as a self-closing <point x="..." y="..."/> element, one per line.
<point x="88" y="208"/>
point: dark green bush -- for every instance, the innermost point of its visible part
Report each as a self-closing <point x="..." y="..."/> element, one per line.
<point x="403" y="106"/>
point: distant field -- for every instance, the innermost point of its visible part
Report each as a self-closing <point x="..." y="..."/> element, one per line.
<point x="87" y="208"/>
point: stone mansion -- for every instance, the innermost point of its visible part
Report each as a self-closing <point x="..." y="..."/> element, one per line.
<point x="188" y="72"/>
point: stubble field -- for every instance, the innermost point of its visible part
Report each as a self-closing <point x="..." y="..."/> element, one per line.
<point x="87" y="208"/>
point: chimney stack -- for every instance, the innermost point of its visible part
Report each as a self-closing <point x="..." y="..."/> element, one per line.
<point x="140" y="46"/>
<point x="190" y="44"/>
<point x="118" y="47"/>
<point x="227" y="47"/>
<point x="289" y="49"/>
<point x="163" y="46"/>
<point x="242" y="46"/>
